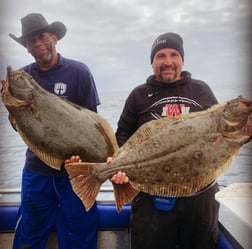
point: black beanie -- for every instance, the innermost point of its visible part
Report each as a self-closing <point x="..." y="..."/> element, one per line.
<point x="167" y="40"/>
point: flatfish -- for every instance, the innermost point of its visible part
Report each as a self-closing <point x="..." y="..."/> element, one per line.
<point x="170" y="156"/>
<point x="53" y="128"/>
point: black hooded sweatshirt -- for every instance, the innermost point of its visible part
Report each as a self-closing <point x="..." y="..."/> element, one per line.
<point x="154" y="100"/>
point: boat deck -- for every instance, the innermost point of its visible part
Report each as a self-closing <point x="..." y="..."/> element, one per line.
<point x="114" y="226"/>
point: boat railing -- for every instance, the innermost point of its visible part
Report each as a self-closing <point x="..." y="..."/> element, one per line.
<point x="11" y="196"/>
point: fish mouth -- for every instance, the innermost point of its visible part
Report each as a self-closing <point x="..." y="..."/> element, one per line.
<point x="239" y="112"/>
<point x="237" y="124"/>
<point x="248" y="126"/>
<point x="14" y="92"/>
<point x="3" y="82"/>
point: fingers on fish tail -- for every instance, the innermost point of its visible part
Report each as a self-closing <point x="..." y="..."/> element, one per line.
<point x="84" y="183"/>
<point x="123" y="194"/>
<point x="3" y="83"/>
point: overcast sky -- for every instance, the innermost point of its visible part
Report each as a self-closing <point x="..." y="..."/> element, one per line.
<point x="114" y="37"/>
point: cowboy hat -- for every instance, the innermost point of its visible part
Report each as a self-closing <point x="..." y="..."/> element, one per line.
<point x="35" y="23"/>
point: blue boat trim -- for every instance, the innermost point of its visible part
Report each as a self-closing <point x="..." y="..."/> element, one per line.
<point x="109" y="218"/>
<point x="231" y="228"/>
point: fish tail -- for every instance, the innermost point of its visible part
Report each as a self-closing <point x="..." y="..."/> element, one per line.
<point x="123" y="193"/>
<point x="84" y="182"/>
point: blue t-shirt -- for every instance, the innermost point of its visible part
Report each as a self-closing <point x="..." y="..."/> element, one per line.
<point x="68" y="79"/>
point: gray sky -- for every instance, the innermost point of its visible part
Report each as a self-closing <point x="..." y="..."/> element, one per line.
<point x="114" y="37"/>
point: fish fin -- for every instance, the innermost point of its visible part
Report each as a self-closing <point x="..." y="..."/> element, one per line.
<point x="123" y="193"/>
<point x="84" y="182"/>
<point x="51" y="161"/>
<point x="108" y="134"/>
<point x="169" y="190"/>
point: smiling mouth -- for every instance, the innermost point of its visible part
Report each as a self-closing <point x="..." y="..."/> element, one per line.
<point x="167" y="71"/>
<point x="169" y="68"/>
<point x="41" y="51"/>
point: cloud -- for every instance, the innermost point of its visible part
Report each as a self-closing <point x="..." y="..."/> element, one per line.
<point x="114" y="37"/>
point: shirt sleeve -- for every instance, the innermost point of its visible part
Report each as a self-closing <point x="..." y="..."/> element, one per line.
<point x="88" y="94"/>
<point x="127" y="123"/>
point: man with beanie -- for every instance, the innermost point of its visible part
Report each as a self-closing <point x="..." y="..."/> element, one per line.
<point x="156" y="221"/>
<point x="47" y="201"/>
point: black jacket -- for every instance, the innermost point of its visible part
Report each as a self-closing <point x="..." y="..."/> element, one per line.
<point x="154" y="100"/>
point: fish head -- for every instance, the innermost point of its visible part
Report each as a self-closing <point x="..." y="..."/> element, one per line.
<point x="238" y="108"/>
<point x="247" y="129"/>
<point x="17" y="90"/>
<point x="236" y="114"/>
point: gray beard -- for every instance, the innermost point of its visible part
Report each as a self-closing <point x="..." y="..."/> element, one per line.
<point x="45" y="60"/>
<point x="169" y="79"/>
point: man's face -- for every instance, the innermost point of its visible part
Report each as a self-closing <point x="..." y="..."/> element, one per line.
<point x="167" y="65"/>
<point x="42" y="47"/>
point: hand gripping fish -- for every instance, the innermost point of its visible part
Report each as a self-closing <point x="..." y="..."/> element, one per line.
<point x="53" y="128"/>
<point x="170" y="156"/>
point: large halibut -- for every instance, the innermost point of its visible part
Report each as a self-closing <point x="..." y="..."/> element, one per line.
<point x="53" y="128"/>
<point x="170" y="156"/>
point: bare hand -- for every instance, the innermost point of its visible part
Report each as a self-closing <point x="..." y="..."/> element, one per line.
<point x="73" y="159"/>
<point x="120" y="177"/>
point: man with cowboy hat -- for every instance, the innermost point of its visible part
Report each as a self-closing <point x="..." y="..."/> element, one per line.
<point x="48" y="201"/>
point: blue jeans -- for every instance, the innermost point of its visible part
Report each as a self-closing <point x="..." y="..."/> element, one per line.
<point x="49" y="203"/>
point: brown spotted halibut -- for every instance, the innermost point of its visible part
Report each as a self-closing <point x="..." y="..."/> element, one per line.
<point x="53" y="128"/>
<point x="170" y="156"/>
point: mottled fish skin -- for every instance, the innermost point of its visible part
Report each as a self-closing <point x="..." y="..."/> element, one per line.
<point x="171" y="156"/>
<point x="53" y="128"/>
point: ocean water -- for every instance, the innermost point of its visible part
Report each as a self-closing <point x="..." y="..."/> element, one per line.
<point x="12" y="148"/>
